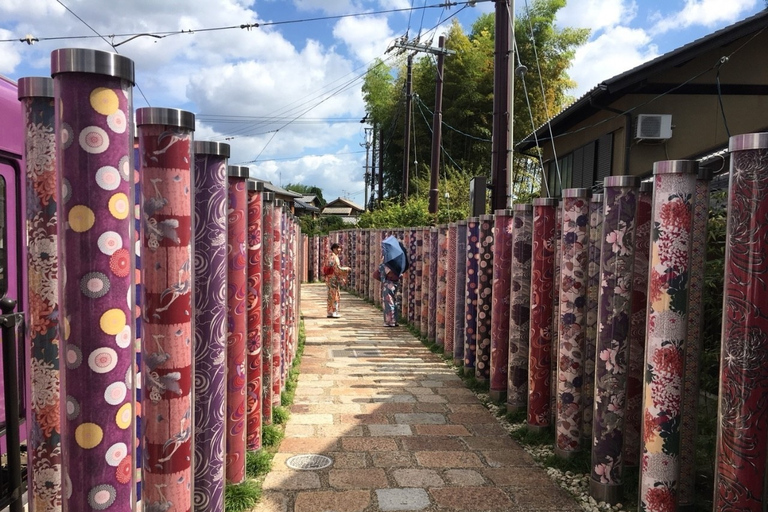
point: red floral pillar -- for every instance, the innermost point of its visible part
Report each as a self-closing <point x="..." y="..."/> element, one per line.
<point x="267" y="342"/>
<point x="520" y="307"/>
<point x="426" y="279"/>
<point x="593" y="290"/>
<point x="667" y="326"/>
<point x="572" y="291"/>
<point x="542" y="305"/>
<point x="278" y="351"/>
<point x="442" y="278"/>
<point x="433" y="251"/>
<point x="253" y="307"/>
<point x="502" y="275"/>
<point x="460" y="297"/>
<point x="742" y="445"/>
<point x="450" y="290"/>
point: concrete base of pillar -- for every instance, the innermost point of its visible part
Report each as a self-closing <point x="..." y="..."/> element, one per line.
<point x="469" y="370"/>
<point x="563" y="454"/>
<point x="538" y="428"/>
<point x="497" y="396"/>
<point x="515" y="407"/>
<point x="458" y="362"/>
<point x="610" y="494"/>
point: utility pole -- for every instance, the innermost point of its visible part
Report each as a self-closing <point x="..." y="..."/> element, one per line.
<point x="437" y="129"/>
<point x="381" y="166"/>
<point x="375" y="148"/>
<point x="407" y="130"/>
<point x="503" y="107"/>
<point x="367" y="174"/>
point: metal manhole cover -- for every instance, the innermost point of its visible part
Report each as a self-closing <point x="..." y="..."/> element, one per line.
<point x="309" y="462"/>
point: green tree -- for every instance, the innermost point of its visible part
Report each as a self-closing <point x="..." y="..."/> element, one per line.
<point x="307" y="190"/>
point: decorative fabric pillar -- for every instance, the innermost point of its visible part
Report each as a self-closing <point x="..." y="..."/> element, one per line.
<point x="572" y="292"/>
<point x="741" y="439"/>
<point x="593" y="290"/>
<point x="617" y="259"/>
<point x="502" y="284"/>
<point x="93" y="92"/>
<point x="165" y="152"/>
<point x="442" y="279"/>
<point x="267" y="344"/>
<point x="210" y="296"/>
<point x="275" y="321"/>
<point x="237" y="331"/>
<point x="470" y="301"/>
<point x="401" y="302"/>
<point x="426" y="280"/>
<point x="433" y="259"/>
<point x="450" y="289"/>
<point x="542" y="312"/>
<point x="43" y="435"/>
<point x="667" y="326"/>
<point x="484" y="299"/>
<point x="555" y="346"/>
<point x="520" y="307"/>
<point x="637" y="328"/>
<point x="461" y="290"/>
<point x="693" y="343"/>
<point x="418" y="278"/>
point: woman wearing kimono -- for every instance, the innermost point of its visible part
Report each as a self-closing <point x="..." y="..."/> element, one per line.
<point x="335" y="276"/>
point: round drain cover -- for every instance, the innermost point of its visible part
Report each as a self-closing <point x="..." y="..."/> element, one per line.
<point x="309" y="462"/>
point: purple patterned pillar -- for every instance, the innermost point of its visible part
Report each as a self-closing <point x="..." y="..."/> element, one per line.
<point x="555" y="346"/>
<point x="450" y="290"/>
<point x="502" y="283"/>
<point x="253" y="300"/>
<point x="43" y="434"/>
<point x="741" y="440"/>
<point x="593" y="290"/>
<point x="93" y="92"/>
<point x="418" y="277"/>
<point x="442" y="284"/>
<point x="637" y="328"/>
<point x="275" y="321"/>
<point x="689" y="423"/>
<point x="572" y="292"/>
<point x="460" y="296"/>
<point x="165" y="152"/>
<point x="484" y="299"/>
<point x="210" y="296"/>
<point x="426" y="280"/>
<point x="433" y="251"/>
<point x="520" y="307"/>
<point x="672" y="220"/>
<point x="470" y="300"/>
<point x="411" y="246"/>
<point x="542" y="312"/>
<point x="237" y="330"/>
<point x="611" y="362"/>
<point x="267" y="344"/>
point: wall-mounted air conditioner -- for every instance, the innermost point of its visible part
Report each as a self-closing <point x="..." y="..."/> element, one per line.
<point x="654" y="126"/>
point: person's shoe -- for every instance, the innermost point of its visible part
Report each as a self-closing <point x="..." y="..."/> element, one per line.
<point x="330" y="316"/>
<point x="336" y="315"/>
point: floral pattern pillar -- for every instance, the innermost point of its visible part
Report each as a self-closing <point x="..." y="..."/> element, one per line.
<point x="434" y="255"/>
<point x="442" y="278"/>
<point x="267" y="344"/>
<point x="210" y="296"/>
<point x="275" y="321"/>
<point x="470" y="301"/>
<point x="426" y="280"/>
<point x="484" y="299"/>
<point x="450" y="289"/>
<point x="93" y="94"/>
<point x="667" y="326"/>
<point x="237" y="331"/>
<point x="411" y="246"/>
<point x="572" y="292"/>
<point x="520" y="307"/>
<point x="555" y="347"/>
<point x="617" y="259"/>
<point x="459" y="315"/>
<point x="418" y="278"/>
<point x="593" y="290"/>
<point x="165" y="152"/>
<point x="742" y="445"/>
<point x="542" y="312"/>
<point x="502" y="275"/>
<point x="44" y="434"/>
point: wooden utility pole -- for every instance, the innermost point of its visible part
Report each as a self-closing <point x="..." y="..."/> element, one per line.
<point x="381" y="166"/>
<point x="407" y="130"/>
<point x="367" y="166"/>
<point x="376" y="148"/>
<point x="503" y="107"/>
<point x="437" y="130"/>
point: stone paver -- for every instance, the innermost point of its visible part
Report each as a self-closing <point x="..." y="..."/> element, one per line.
<point x="403" y="432"/>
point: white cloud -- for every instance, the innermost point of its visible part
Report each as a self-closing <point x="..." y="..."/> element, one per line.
<point x="596" y="14"/>
<point x="9" y="57"/>
<point x="326" y="6"/>
<point x="366" y="37"/>
<point x="707" y="13"/>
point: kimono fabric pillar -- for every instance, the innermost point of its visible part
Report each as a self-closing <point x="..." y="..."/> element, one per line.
<point x="165" y="155"/>
<point x="278" y="271"/>
<point x="139" y="294"/>
<point x="484" y="299"/>
<point x="433" y="264"/>
<point x="519" y="307"/>
<point x="667" y="326"/>
<point x="617" y="259"/>
<point x="426" y="280"/>
<point x="253" y="308"/>
<point x="450" y="289"/>
<point x="411" y="245"/>
<point x="741" y="439"/>
<point x="502" y="275"/>
<point x="555" y="345"/>
<point x="461" y="290"/>
<point x="210" y="323"/>
<point x="689" y="423"/>
<point x="92" y="92"/>
<point x="276" y="319"/>
<point x="572" y="293"/>
<point x="237" y="324"/>
<point x="470" y="301"/>
<point x="637" y="328"/>
<point x="442" y="284"/>
<point x="44" y="434"/>
<point x="268" y="346"/>
<point x="418" y="277"/>
<point x="542" y="311"/>
<point x="593" y="289"/>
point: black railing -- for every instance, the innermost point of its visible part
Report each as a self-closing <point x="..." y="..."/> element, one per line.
<point x="12" y="483"/>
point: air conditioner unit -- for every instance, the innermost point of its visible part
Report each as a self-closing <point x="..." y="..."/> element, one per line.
<point x="654" y="126"/>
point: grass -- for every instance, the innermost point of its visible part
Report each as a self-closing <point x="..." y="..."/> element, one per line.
<point x="280" y="415"/>
<point x="271" y="436"/>
<point x="241" y="497"/>
<point x="258" y="464"/>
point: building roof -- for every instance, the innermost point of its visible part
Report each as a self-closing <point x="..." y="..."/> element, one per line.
<point x="342" y="202"/>
<point x="337" y="211"/>
<point x="299" y="204"/>
<point x="635" y="80"/>
<point x="269" y="187"/>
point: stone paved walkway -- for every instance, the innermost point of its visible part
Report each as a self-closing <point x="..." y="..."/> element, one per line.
<point x="403" y="431"/>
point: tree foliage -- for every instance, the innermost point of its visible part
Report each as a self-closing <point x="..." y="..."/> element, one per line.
<point x="307" y="190"/>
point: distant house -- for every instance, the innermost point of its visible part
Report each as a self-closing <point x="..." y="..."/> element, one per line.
<point x="343" y="208"/>
<point x="302" y="207"/>
<point x="280" y="193"/>
<point x="312" y="200"/>
<point x="681" y="105"/>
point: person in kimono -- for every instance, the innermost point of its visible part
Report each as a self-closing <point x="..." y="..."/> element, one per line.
<point x="335" y="275"/>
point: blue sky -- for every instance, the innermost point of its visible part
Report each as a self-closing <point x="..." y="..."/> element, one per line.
<point x="286" y="95"/>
